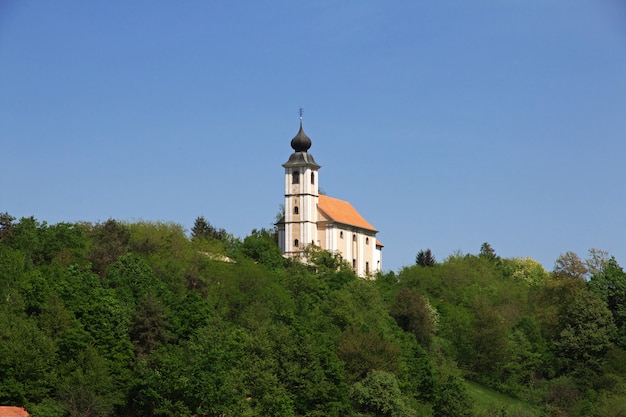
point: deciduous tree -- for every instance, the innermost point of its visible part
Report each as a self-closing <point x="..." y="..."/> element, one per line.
<point x="610" y="284"/>
<point x="569" y="265"/>
<point x="414" y="314"/>
<point x="585" y="333"/>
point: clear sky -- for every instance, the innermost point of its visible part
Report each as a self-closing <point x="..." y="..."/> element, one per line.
<point x="445" y="123"/>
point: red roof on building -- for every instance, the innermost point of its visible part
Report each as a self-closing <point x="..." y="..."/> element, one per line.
<point x="7" y="411"/>
<point x="342" y="212"/>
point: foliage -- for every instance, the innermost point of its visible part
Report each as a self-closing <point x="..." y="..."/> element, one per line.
<point x="415" y="314"/>
<point x="569" y="265"/>
<point x="378" y="394"/>
<point x="585" y="333"/>
<point x="425" y="258"/>
<point x="488" y="253"/>
<point x="609" y="283"/>
<point x="202" y="229"/>
<point x="138" y="319"/>
<point x="261" y="246"/>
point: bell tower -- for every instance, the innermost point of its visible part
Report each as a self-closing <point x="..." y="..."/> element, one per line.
<point x="299" y="226"/>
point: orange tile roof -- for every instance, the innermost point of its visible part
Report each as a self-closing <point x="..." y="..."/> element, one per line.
<point x="379" y="243"/>
<point x="342" y="212"/>
<point x="6" y="411"/>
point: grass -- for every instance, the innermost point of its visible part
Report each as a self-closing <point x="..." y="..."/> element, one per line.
<point x="488" y="402"/>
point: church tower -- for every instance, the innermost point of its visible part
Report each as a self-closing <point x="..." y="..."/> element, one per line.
<point x="299" y="226"/>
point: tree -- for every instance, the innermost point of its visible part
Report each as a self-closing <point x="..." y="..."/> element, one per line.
<point x="569" y="265"/>
<point x="89" y="390"/>
<point x="6" y="226"/>
<point x="203" y="229"/>
<point x="148" y="326"/>
<point x="425" y="258"/>
<point x="610" y="285"/>
<point x="451" y="398"/>
<point x="378" y="394"/>
<point x="585" y="333"/>
<point x="597" y="261"/>
<point x="414" y="314"/>
<point x="526" y="270"/>
<point x="261" y="247"/>
<point x="363" y="352"/>
<point x="487" y="252"/>
<point x="109" y="241"/>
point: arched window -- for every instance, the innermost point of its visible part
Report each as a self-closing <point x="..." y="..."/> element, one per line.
<point x="312" y="177"/>
<point x="295" y="210"/>
<point x="296" y="177"/>
<point x="367" y="240"/>
<point x="296" y="243"/>
<point x="367" y="267"/>
<point x="341" y="235"/>
<point x="354" y="237"/>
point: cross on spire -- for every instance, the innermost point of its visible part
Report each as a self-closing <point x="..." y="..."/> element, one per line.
<point x="301" y="112"/>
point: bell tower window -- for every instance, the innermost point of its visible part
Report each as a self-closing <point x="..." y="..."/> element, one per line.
<point x="296" y="177"/>
<point x="312" y="177"/>
<point x="295" y="210"/>
<point x="296" y="243"/>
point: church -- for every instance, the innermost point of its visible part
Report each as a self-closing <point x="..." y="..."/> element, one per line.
<point x="320" y="220"/>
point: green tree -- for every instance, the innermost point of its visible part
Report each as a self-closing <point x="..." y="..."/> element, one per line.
<point x="526" y="270"/>
<point x="6" y="226"/>
<point x="148" y="326"/>
<point x="28" y="360"/>
<point x="414" y="314"/>
<point x="451" y="398"/>
<point x="488" y="338"/>
<point x="425" y="258"/>
<point x="585" y="333"/>
<point x="203" y="229"/>
<point x="362" y="352"/>
<point x="132" y="278"/>
<point x="379" y="394"/>
<point x="487" y="252"/>
<point x="26" y="237"/>
<point x="89" y="390"/>
<point x="610" y="285"/>
<point x="109" y="241"/>
<point x="261" y="246"/>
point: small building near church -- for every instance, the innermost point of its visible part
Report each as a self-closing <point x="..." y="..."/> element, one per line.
<point x="9" y="411"/>
<point x="326" y="222"/>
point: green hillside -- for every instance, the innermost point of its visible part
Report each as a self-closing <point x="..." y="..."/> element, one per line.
<point x="140" y="319"/>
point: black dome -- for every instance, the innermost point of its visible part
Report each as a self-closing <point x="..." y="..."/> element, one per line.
<point x="301" y="142"/>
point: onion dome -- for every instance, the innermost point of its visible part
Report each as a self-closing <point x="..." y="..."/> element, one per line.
<point x="300" y="157"/>
<point x="301" y="142"/>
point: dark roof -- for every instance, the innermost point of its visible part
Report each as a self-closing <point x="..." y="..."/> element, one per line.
<point x="301" y="142"/>
<point x="301" y="158"/>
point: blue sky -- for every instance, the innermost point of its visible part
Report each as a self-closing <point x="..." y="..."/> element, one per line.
<point x="446" y="124"/>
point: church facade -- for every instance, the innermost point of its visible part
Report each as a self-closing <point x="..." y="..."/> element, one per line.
<point x="326" y="222"/>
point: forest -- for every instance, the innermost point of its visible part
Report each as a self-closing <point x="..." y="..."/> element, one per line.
<point x="147" y="319"/>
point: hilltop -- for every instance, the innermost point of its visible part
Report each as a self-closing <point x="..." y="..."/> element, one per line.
<point x="140" y="319"/>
